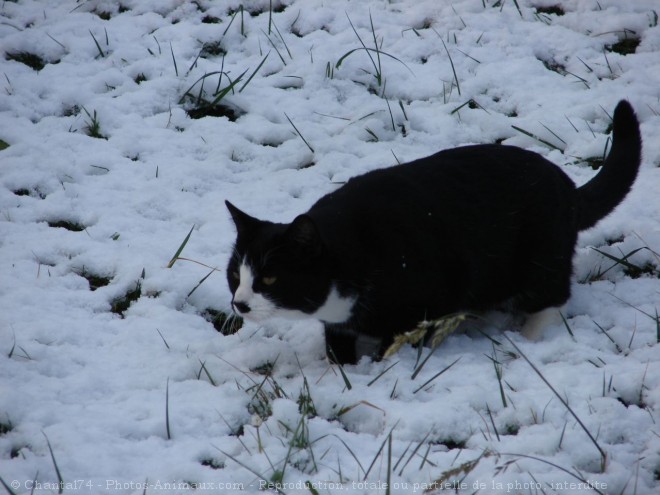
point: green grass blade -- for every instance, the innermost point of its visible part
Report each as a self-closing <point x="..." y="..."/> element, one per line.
<point x="552" y="132"/>
<point x="459" y="107"/>
<point x="178" y="252"/>
<point x="617" y="346"/>
<point x="518" y="7"/>
<point x="372" y="134"/>
<point x="245" y="466"/>
<point x="557" y="466"/>
<point x="382" y="373"/>
<point x="393" y="392"/>
<point x="382" y="446"/>
<point x="350" y="52"/>
<point x="270" y="15"/>
<point x="341" y="369"/>
<point x="561" y="437"/>
<point x="425" y="458"/>
<point x="298" y="132"/>
<point x="187" y="92"/>
<point x="201" y="282"/>
<point x="608" y="62"/>
<point x="230" y="23"/>
<point x="389" y="465"/>
<point x="421" y="365"/>
<point x="13" y="347"/>
<point x="436" y="376"/>
<point x="282" y="39"/>
<point x="414" y="452"/>
<point x="98" y="46"/>
<point x="7" y="487"/>
<point x="621" y="261"/>
<point x="469" y="56"/>
<point x="568" y="327"/>
<point x="222" y="72"/>
<point x="57" y="469"/>
<point x="274" y="47"/>
<point x="347" y="382"/>
<point x="164" y="341"/>
<point x="176" y="69"/>
<point x="498" y="374"/>
<point x="390" y="110"/>
<point x="603" y="454"/>
<point x="346" y="55"/>
<point x="254" y="73"/>
<point x="435" y="332"/>
<point x="634" y="307"/>
<point x="380" y="69"/>
<point x="403" y="110"/>
<point x="451" y="62"/>
<point x="200" y="95"/>
<point x="573" y="126"/>
<point x="224" y="91"/>
<point x="167" y="409"/>
<point x="540" y="140"/>
<point x="350" y="451"/>
<point x="365" y="47"/>
<point x="206" y="371"/>
<point x="492" y="422"/>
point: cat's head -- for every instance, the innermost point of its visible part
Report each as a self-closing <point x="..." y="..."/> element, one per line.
<point x="277" y="270"/>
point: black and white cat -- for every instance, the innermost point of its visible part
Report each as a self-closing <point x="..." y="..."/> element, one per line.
<point x="473" y="228"/>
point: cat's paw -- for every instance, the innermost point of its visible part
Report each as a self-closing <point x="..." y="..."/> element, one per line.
<point x="537" y="322"/>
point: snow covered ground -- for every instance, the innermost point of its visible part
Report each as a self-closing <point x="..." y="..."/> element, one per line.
<point x="106" y="172"/>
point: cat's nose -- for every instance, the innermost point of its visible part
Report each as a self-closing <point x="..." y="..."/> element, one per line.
<point x="241" y="307"/>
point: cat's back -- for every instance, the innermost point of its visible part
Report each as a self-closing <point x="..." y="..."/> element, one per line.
<point x="449" y="178"/>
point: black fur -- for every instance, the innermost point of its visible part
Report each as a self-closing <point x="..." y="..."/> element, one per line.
<point x="467" y="229"/>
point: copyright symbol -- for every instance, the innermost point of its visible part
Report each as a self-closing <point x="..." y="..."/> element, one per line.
<point x="15" y="484"/>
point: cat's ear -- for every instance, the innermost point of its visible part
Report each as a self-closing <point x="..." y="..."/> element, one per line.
<point x="245" y="224"/>
<point x="304" y="236"/>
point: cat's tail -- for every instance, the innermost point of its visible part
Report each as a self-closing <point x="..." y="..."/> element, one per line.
<point x="598" y="197"/>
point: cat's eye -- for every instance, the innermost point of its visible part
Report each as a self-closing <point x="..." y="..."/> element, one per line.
<point x="269" y="280"/>
<point x="236" y="275"/>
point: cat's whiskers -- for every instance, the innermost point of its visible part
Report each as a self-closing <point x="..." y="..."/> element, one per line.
<point x="232" y="323"/>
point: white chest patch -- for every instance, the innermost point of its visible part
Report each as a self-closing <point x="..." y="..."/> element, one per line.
<point x="256" y="307"/>
<point x="335" y="309"/>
